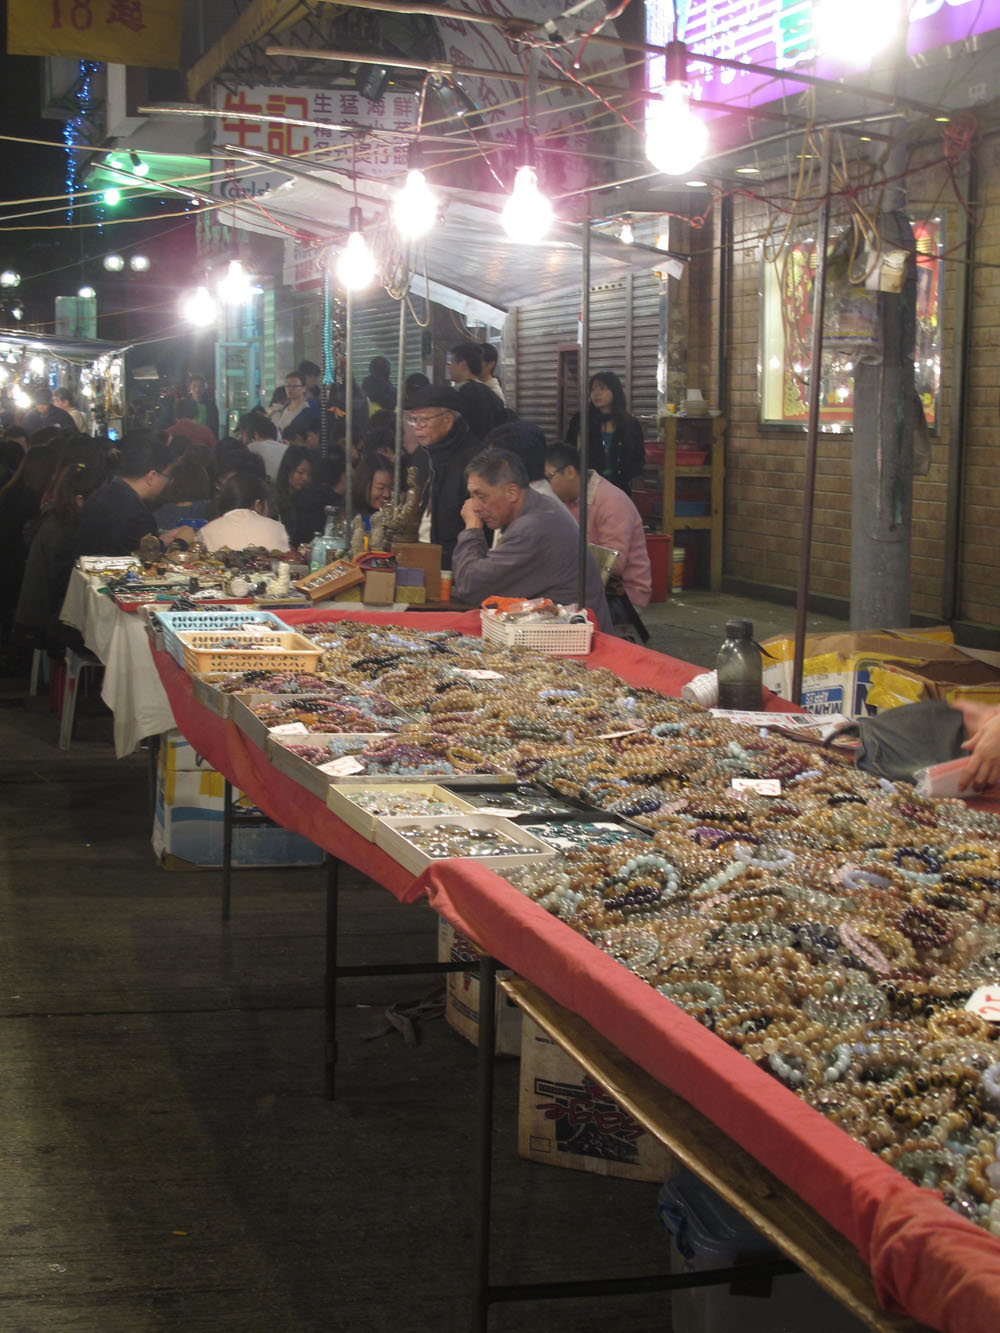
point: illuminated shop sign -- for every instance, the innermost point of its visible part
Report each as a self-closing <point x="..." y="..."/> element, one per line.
<point x="780" y="35"/>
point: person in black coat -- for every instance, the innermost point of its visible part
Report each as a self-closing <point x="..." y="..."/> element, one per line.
<point x="438" y="424"/>
<point x="20" y="501"/>
<point x="480" y="406"/>
<point x="53" y="554"/>
<point x="615" y="447"/>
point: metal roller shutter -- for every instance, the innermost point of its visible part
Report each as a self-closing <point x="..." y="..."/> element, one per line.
<point x="375" y="331"/>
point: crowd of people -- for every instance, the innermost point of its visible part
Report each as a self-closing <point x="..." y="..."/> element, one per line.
<point x="501" y="502"/>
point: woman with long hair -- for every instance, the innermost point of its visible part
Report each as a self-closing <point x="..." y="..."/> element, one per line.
<point x="303" y="496"/>
<point x="616" y="448"/>
<point x="53" y="552"/>
<point x="20" y="501"/>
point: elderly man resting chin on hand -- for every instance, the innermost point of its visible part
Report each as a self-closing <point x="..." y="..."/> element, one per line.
<point x="538" y="551"/>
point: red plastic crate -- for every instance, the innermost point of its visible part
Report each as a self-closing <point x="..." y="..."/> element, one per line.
<point x="688" y="456"/>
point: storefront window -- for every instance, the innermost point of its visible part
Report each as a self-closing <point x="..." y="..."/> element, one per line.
<point x="850" y="329"/>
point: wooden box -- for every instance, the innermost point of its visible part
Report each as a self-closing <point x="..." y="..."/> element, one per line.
<point x="333" y="578"/>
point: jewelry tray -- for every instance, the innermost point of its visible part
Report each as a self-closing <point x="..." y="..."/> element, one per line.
<point x="528" y="848"/>
<point x="338" y="799"/>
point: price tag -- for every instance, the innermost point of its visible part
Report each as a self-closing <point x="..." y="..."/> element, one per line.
<point x="290" y="729"/>
<point x="477" y="674"/>
<point x="342" y="767"/>
<point x="985" y="1002"/>
<point x="762" y="786"/>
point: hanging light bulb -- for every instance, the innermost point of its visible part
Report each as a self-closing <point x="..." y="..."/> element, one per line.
<point x="10" y="278"/>
<point x="112" y="196"/>
<point x="415" y="208"/>
<point x="199" y="308"/>
<point x="139" y="167"/>
<point x="235" y="288"/>
<point x="86" y="292"/>
<point x="356" y="264"/>
<point x="527" y="214"/>
<point x="676" y="138"/>
<point x="626" y="235"/>
<point x="854" y="32"/>
<point x="139" y="264"/>
<point x="114" y="263"/>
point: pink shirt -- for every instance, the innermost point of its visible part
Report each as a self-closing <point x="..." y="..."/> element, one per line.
<point x="614" y="521"/>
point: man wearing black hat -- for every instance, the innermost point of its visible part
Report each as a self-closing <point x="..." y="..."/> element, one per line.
<point x="437" y="422"/>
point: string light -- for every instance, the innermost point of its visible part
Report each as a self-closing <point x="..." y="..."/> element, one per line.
<point x="626" y="235"/>
<point x="73" y="129"/>
<point x="676" y="138"/>
<point x="86" y="293"/>
<point x="139" y="167"/>
<point x="356" y="264"/>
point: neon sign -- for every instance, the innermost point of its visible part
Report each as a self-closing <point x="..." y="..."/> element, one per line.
<point x="779" y="34"/>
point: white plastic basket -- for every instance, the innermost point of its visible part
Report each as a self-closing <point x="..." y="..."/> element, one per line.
<point x="562" y="640"/>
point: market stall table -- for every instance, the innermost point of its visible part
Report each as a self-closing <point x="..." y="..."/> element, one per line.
<point x="131" y="688"/>
<point x="924" y="1259"/>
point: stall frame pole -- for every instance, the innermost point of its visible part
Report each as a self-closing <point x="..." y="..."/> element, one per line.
<point x="583" y="439"/>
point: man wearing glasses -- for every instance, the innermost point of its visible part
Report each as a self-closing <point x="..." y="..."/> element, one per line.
<point x="115" y="518"/>
<point x="437" y="422"/>
<point x="612" y="518"/>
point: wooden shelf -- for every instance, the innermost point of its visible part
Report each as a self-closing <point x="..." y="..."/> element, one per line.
<point x="705" y="432"/>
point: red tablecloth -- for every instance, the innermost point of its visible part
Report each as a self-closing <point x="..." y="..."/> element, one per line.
<point x="925" y="1260"/>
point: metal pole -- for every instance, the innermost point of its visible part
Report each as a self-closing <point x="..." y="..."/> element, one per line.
<point x="400" y="367"/>
<point x="583" y="439"/>
<point x="968" y="184"/>
<point x="227" y="847"/>
<point x="330" y="978"/>
<point x="348" y="414"/>
<point x="485" y="1058"/>
<point x="815" y="366"/>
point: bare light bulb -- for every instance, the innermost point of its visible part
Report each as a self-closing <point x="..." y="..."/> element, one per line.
<point x="527" y="214"/>
<point x="199" y="308"/>
<point x="139" y="263"/>
<point x="235" y="288"/>
<point x="627" y="235"/>
<point x="854" y="32"/>
<point x="10" y="278"/>
<point x="356" y="264"/>
<point x="114" y="263"/>
<point x="86" y="293"/>
<point x="414" y="207"/>
<point x="676" y="138"/>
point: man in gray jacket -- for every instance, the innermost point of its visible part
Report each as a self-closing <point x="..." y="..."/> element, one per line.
<point x="538" y="551"/>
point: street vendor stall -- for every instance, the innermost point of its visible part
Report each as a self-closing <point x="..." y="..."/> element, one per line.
<point x="925" y="1259"/>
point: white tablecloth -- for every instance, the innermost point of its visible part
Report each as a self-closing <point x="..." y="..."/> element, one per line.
<point x="132" y="688"/>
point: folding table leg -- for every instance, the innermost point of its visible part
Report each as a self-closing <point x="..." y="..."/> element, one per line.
<point x="484" y="1163"/>
<point x="227" y="848"/>
<point x="330" y="977"/>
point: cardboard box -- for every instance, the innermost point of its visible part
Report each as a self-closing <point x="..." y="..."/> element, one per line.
<point x="411" y="594"/>
<point x="565" y="1118"/>
<point x="425" y="556"/>
<point x="836" y="669"/>
<point x="380" y="587"/>
<point x="461" y="1008"/>
<point x="893" y="685"/>
<point x="188" y="818"/>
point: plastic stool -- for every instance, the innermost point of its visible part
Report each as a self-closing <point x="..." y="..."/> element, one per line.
<point x="76" y="663"/>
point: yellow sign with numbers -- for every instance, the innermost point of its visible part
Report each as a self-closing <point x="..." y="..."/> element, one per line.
<point x="122" y="32"/>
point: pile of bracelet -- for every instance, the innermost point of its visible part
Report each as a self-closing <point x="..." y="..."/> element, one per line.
<point x="832" y="933"/>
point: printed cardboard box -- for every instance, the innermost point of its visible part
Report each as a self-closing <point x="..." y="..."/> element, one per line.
<point x="461" y="1009"/>
<point x="893" y="684"/>
<point x="836" y="668"/>
<point x="188" y="818"/>
<point x="566" y="1118"/>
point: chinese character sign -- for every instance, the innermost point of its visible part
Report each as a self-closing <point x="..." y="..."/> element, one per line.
<point x="123" y="32"/>
<point x="259" y="118"/>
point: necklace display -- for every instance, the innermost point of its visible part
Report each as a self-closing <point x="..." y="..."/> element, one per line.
<point x="831" y="933"/>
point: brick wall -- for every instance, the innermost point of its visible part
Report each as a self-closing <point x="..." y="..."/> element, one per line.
<point x="765" y="464"/>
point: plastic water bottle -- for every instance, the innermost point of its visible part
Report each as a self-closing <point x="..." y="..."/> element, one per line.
<point x="739" y="669"/>
<point x="317" y="553"/>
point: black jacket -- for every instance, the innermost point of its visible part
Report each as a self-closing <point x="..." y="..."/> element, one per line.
<point x="627" y="456"/>
<point x="448" y="491"/>
<point x="46" y="578"/>
<point x="113" y="521"/>
<point x="481" y="407"/>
